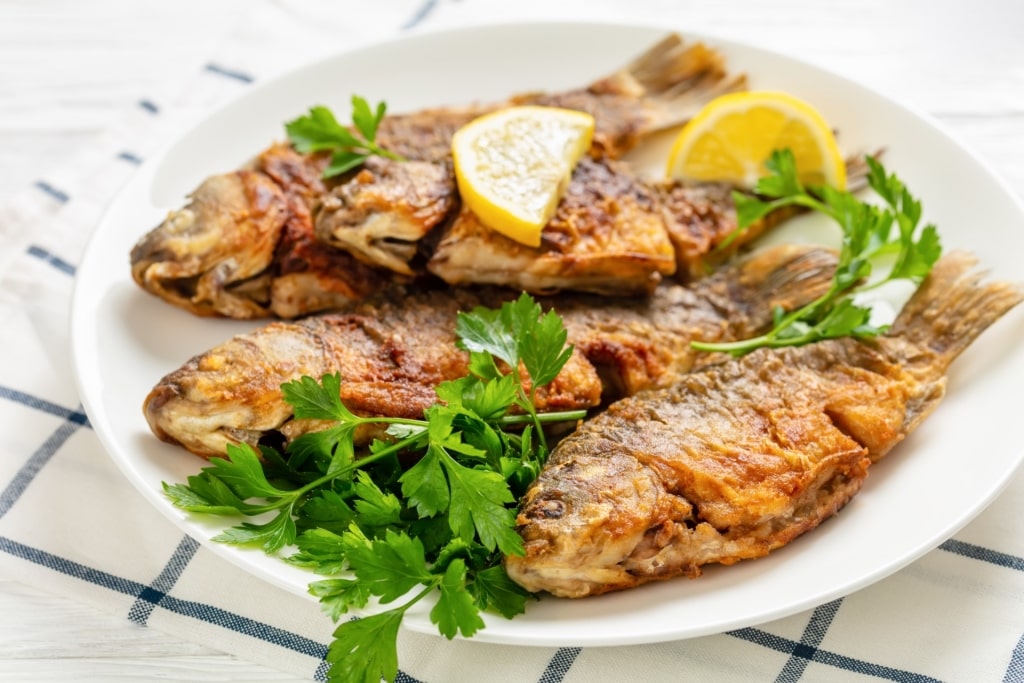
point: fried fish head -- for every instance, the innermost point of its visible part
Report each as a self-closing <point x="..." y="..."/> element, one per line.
<point x="381" y="214"/>
<point x="211" y="257"/>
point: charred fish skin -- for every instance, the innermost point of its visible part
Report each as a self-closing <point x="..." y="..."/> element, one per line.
<point x="217" y="256"/>
<point x="739" y="458"/>
<point x="392" y="351"/>
<point x="607" y="236"/>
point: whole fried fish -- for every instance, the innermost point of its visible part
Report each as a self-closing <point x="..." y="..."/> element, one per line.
<point x="228" y="251"/>
<point x="740" y="458"/>
<point x="394" y="350"/>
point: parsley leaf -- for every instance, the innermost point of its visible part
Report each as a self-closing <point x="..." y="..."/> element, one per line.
<point x="365" y="650"/>
<point x="321" y="550"/>
<point x="272" y="536"/>
<point x="206" y="493"/>
<point x="375" y="507"/>
<point x="494" y="590"/>
<point x="338" y="596"/>
<point x="455" y="610"/>
<point x="314" y="400"/>
<point x="319" y="131"/>
<point x="390" y="567"/>
<point x="543" y="349"/>
<point x="243" y="473"/>
<point x="325" y="509"/>
<point x="477" y="506"/>
<point x="425" y="485"/>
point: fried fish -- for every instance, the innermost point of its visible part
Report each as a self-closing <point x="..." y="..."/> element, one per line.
<point x="225" y="252"/>
<point x="739" y="458"/>
<point x="613" y="233"/>
<point x="393" y="350"/>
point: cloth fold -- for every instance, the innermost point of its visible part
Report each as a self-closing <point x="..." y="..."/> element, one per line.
<point x="72" y="524"/>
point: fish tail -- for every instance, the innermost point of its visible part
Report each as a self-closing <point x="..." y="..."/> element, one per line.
<point x="952" y="307"/>
<point x="786" y="276"/>
<point x="676" y="78"/>
<point x="857" y="171"/>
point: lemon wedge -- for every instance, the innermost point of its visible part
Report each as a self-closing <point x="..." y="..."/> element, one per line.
<point x="732" y="137"/>
<point x="513" y="165"/>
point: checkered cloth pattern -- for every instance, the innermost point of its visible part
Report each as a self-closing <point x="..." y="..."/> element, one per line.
<point x="70" y="522"/>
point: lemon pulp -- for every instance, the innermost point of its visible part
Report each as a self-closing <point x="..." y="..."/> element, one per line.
<point x="513" y="165"/>
<point x="732" y="137"/>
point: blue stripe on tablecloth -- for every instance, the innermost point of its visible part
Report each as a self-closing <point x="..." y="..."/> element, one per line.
<point x="559" y="665"/>
<point x="55" y="261"/>
<point x="792" y="647"/>
<point x="76" y="416"/>
<point x="149" y="106"/>
<point x="60" y="195"/>
<point x="228" y="73"/>
<point x="130" y="157"/>
<point x="421" y="13"/>
<point x="188" y="608"/>
<point x="144" y="604"/>
<point x="31" y="467"/>
<point x="812" y="636"/>
<point x="1015" y="671"/>
<point x="977" y="552"/>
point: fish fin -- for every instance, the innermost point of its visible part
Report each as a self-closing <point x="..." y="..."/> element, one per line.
<point x="788" y="276"/>
<point x="676" y="78"/>
<point x="857" y="170"/>
<point x="952" y="307"/>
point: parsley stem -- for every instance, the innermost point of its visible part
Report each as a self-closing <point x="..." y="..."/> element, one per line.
<point x="544" y="418"/>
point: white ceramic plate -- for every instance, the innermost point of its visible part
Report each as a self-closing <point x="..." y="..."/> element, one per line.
<point x="124" y="340"/>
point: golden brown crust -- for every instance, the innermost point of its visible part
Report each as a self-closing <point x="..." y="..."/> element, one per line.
<point x="606" y="236"/>
<point x="739" y="458"/>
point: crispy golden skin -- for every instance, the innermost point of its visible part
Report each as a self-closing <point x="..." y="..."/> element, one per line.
<point x="392" y="351"/>
<point x="738" y="459"/>
<point x="217" y="255"/>
<point x="607" y="236"/>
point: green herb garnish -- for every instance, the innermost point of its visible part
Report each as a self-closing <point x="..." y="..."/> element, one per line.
<point x="428" y="509"/>
<point x="319" y="131"/>
<point x="868" y="240"/>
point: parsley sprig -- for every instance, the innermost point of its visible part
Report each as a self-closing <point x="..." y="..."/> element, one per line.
<point x="868" y="241"/>
<point x="319" y="131"/>
<point x="428" y="509"/>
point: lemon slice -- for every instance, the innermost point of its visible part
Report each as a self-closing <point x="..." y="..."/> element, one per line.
<point x="732" y="137"/>
<point x="513" y="165"/>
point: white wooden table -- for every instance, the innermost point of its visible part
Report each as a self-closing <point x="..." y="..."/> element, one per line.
<point x="69" y="67"/>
